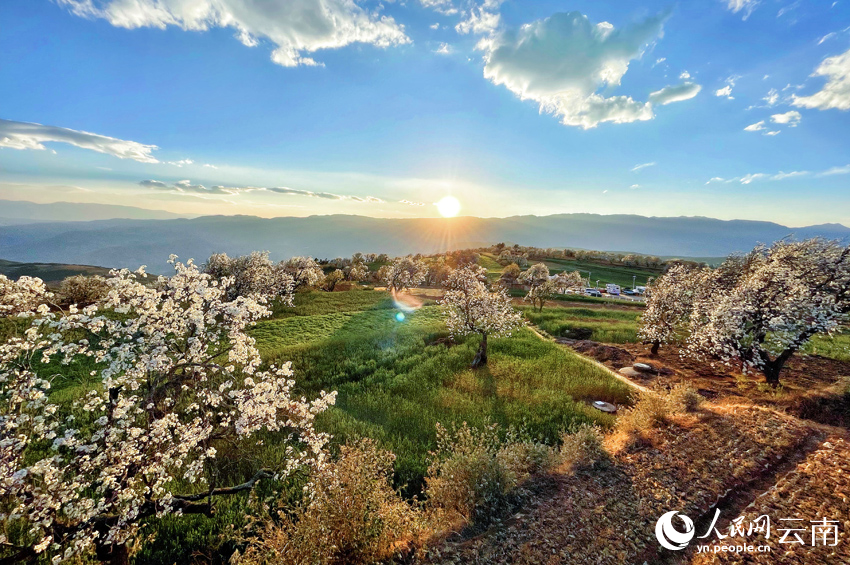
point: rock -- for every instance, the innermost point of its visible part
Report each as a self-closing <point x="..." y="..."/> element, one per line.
<point x="604" y="406"/>
<point x="644" y="367"/>
<point x="629" y="372"/>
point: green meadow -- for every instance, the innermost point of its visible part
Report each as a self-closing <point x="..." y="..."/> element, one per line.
<point x="609" y="325"/>
<point x="397" y="378"/>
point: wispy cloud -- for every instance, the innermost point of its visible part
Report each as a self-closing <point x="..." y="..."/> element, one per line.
<point x="643" y="166"/>
<point x="25" y="135"/>
<point x="187" y="186"/>
<point x="670" y="94"/>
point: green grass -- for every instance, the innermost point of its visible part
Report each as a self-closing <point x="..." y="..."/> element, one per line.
<point x="396" y="380"/>
<point x="616" y="274"/>
<point x="834" y="347"/>
<point x="609" y="325"/>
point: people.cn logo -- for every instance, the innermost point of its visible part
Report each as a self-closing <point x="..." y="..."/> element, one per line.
<point x="671" y="538"/>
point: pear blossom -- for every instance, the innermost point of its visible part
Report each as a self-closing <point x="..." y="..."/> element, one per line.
<point x="179" y="378"/>
<point x="471" y="308"/>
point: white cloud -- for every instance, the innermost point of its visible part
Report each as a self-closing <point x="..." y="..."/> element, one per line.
<point x="181" y="162"/>
<point x="409" y="203"/>
<point x="562" y="61"/>
<point x="836" y="171"/>
<point x="782" y="176"/>
<point x="791" y="119"/>
<point x="772" y="133"/>
<point x="635" y="186"/>
<point x="434" y="26"/>
<point x="827" y="37"/>
<point x="772" y="97"/>
<point x="758" y="126"/>
<point x="643" y="166"/>
<point x="659" y="61"/>
<point x="445" y="49"/>
<point x="836" y="92"/>
<point x="295" y="27"/>
<point x="445" y="7"/>
<point x="727" y="90"/>
<point x="685" y="75"/>
<point x="25" y="135"/>
<point x="669" y="94"/>
<point x="785" y="9"/>
<point x="210" y="166"/>
<point x="154" y="184"/>
<point x="747" y="6"/>
<point x="481" y="19"/>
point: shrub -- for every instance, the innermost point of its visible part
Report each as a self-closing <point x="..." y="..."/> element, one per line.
<point x="651" y="409"/>
<point x="583" y="448"/>
<point x="465" y="477"/>
<point x="82" y="290"/>
<point x="683" y="397"/>
<point x="353" y="515"/>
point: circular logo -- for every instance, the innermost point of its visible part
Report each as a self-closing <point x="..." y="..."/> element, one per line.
<point x="671" y="538"/>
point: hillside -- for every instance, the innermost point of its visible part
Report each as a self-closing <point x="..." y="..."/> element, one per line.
<point x="130" y="243"/>
<point x="51" y="273"/>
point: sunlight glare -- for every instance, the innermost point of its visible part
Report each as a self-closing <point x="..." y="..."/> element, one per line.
<point x="448" y="207"/>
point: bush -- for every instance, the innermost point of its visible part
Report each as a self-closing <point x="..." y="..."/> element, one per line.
<point x="353" y="515"/>
<point x="475" y="476"/>
<point x="82" y="290"/>
<point x="684" y="398"/>
<point x="583" y="448"/>
<point x="650" y="410"/>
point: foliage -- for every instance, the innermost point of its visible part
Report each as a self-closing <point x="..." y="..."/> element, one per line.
<point x="404" y="273"/>
<point x="179" y="376"/>
<point x="304" y="271"/>
<point x="351" y="515"/>
<point x="683" y="397"/>
<point x="471" y="308"/>
<point x="475" y="476"/>
<point x="82" y="290"/>
<point x="669" y="304"/>
<point x="332" y="278"/>
<point x="583" y="447"/>
<point x="759" y="309"/>
<point x="253" y="275"/>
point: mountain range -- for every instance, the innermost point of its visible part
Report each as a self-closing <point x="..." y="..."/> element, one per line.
<point x="124" y="241"/>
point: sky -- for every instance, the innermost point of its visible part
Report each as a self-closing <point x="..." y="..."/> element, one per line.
<point x="734" y="109"/>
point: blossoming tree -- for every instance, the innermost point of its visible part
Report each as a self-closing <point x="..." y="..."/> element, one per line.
<point x="761" y="308"/>
<point x="670" y="299"/>
<point x="304" y="271"/>
<point x="471" y="308"/>
<point x="21" y="296"/>
<point x="252" y="275"/>
<point x="404" y="273"/>
<point x="178" y="378"/>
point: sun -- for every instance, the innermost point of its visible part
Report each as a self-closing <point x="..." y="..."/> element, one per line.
<point x="448" y="207"/>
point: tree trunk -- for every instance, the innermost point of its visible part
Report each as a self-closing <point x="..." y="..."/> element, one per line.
<point x="655" y="346"/>
<point x="771" y="372"/>
<point x="113" y="554"/>
<point x="481" y="356"/>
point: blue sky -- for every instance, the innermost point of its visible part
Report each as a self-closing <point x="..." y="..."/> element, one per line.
<point x="735" y="108"/>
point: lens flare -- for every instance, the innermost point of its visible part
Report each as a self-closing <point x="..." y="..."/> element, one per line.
<point x="399" y="316"/>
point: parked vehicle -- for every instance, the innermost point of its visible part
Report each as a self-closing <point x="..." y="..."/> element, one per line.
<point x="592" y="292"/>
<point x="612" y="289"/>
<point x="629" y="292"/>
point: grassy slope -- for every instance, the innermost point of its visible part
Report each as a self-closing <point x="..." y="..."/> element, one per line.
<point x="395" y="383"/>
<point x="51" y="273"/>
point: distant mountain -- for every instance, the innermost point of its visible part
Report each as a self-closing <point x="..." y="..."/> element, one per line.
<point x="130" y="243"/>
<point x="13" y="212"/>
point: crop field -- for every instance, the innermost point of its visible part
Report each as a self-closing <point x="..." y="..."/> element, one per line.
<point x="397" y="378"/>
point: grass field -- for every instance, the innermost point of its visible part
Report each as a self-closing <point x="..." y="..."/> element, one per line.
<point x="397" y="379"/>
<point x="610" y="325"/>
<point x="615" y="274"/>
